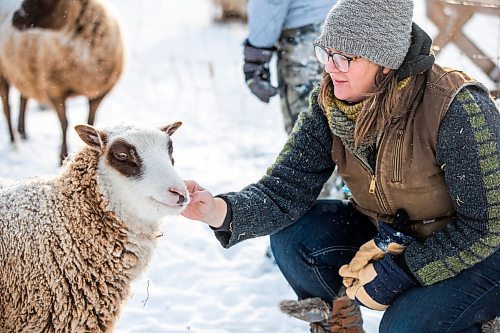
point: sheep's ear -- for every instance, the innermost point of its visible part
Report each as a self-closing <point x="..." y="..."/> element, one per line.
<point x="170" y="129"/>
<point x="94" y="138"/>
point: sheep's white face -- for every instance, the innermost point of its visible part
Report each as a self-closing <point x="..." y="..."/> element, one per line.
<point x="136" y="171"/>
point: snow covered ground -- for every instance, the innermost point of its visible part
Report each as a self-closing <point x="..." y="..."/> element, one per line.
<point x="182" y="66"/>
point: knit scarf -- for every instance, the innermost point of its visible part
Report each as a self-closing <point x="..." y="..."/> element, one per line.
<point x="342" y="118"/>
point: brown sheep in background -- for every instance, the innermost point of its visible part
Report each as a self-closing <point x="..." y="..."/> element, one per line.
<point x="54" y="49"/>
<point x="231" y="9"/>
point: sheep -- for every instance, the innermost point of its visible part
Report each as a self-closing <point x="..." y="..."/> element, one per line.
<point x="231" y="8"/>
<point x="55" y="49"/>
<point x="70" y="245"/>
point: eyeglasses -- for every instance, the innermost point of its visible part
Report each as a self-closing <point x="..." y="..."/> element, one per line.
<point x="341" y="61"/>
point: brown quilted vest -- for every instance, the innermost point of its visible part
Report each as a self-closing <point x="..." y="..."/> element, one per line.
<point x="407" y="175"/>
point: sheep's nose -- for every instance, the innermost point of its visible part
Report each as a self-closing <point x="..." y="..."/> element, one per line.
<point x="181" y="193"/>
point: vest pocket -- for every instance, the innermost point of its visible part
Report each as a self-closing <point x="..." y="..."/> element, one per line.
<point x="398" y="157"/>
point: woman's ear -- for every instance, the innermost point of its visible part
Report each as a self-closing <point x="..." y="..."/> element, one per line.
<point x="386" y="70"/>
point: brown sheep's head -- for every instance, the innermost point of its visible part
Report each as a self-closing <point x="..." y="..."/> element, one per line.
<point x="46" y="14"/>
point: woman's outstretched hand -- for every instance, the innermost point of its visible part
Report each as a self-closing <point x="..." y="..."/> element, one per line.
<point x="203" y="206"/>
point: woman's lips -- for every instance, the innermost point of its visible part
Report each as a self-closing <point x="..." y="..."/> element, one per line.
<point x="338" y="81"/>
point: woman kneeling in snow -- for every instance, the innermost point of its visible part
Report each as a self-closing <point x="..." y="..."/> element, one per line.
<point x="418" y="146"/>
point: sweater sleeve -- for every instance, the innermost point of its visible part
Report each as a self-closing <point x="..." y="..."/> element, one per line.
<point x="468" y="150"/>
<point x="265" y="21"/>
<point x="290" y="186"/>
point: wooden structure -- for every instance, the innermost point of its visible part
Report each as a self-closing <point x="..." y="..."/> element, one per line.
<point x="450" y="16"/>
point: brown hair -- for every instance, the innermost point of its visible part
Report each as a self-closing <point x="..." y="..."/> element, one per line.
<point x="376" y="112"/>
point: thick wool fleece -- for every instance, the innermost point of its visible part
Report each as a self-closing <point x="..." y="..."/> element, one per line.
<point x="66" y="261"/>
<point x="292" y="184"/>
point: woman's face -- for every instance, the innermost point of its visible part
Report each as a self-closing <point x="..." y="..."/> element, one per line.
<point x="357" y="82"/>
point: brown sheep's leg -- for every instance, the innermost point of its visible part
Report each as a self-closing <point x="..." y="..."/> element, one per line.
<point x="4" y="94"/>
<point x="93" y="105"/>
<point x="59" y="105"/>
<point x="22" y="113"/>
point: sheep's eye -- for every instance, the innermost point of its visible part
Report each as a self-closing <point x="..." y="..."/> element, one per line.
<point x="121" y="156"/>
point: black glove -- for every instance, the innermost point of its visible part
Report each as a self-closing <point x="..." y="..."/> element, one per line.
<point x="256" y="69"/>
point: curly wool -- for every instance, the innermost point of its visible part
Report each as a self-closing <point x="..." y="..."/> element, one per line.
<point x="53" y="278"/>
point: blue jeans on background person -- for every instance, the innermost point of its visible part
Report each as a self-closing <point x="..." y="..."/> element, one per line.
<point x="310" y="252"/>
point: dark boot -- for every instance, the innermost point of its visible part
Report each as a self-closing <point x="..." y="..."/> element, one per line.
<point x="345" y="317"/>
<point x="492" y="326"/>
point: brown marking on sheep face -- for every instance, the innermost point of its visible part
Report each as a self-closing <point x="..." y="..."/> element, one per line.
<point x="46" y="14"/>
<point x="124" y="158"/>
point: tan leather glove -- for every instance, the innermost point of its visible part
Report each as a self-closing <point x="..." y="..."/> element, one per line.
<point x="357" y="290"/>
<point x="377" y="285"/>
<point x="367" y="253"/>
<point x="388" y="240"/>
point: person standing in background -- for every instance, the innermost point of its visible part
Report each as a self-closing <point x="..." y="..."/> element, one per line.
<point x="288" y="27"/>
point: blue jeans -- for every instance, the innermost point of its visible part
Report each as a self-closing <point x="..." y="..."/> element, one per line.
<point x="310" y="252"/>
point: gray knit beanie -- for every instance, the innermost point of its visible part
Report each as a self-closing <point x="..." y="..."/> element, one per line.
<point x="379" y="30"/>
